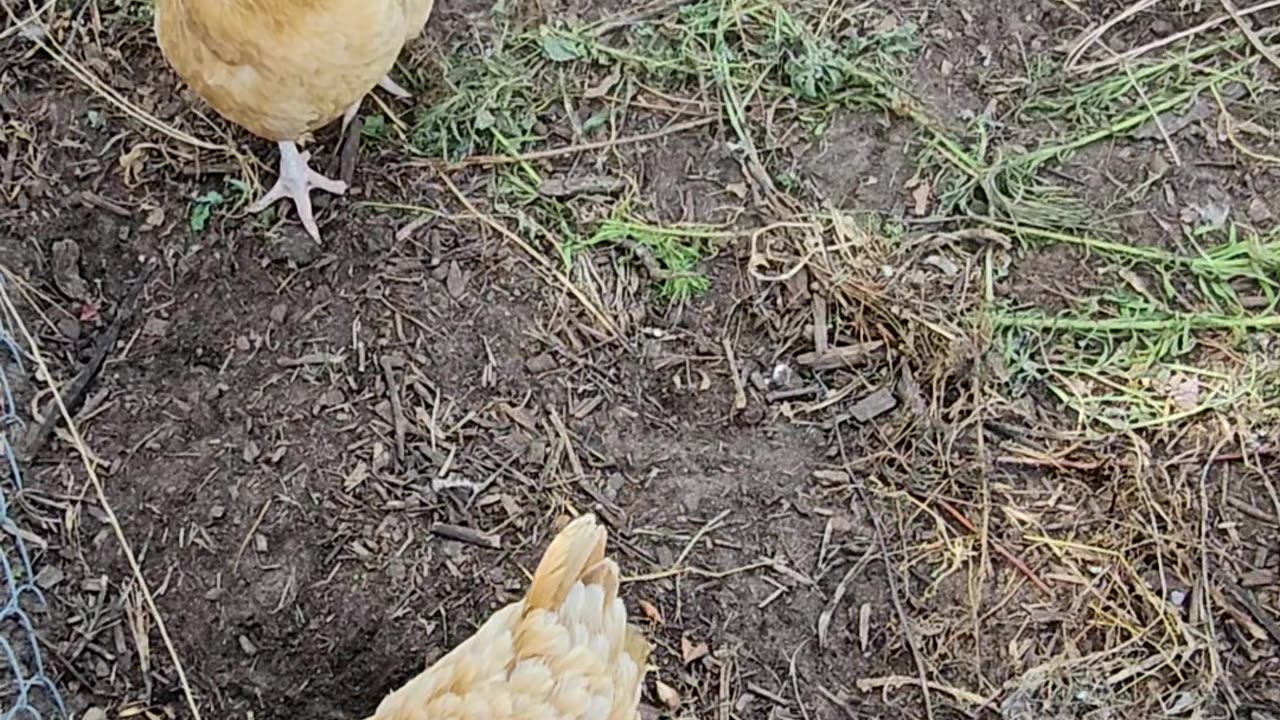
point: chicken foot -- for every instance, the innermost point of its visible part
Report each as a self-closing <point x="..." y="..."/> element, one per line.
<point x="296" y="182"/>
<point x="386" y="83"/>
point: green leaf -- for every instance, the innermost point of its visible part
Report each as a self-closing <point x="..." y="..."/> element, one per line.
<point x="202" y="210"/>
<point x="374" y="126"/>
<point x="559" y="48"/>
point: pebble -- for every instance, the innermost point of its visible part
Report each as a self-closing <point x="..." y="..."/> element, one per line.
<point x="1259" y="211"/>
<point x="541" y="364"/>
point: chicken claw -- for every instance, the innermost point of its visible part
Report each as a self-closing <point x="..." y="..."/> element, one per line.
<point x="386" y="83"/>
<point x="296" y="181"/>
<point x="391" y="86"/>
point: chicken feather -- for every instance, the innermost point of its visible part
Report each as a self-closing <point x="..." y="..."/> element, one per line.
<point x="564" y="652"/>
<point x="283" y="68"/>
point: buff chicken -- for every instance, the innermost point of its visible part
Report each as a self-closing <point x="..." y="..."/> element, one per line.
<point x="284" y="68"/>
<point x="564" y="652"/>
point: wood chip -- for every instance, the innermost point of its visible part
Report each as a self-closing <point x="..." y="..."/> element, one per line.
<point x="874" y="405"/>
<point x="840" y="357"/>
<point x="467" y="535"/>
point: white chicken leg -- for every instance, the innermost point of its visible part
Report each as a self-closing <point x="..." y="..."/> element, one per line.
<point x="297" y="179"/>
<point x="386" y="83"/>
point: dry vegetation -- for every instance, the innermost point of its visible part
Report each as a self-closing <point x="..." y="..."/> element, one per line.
<point x="923" y="360"/>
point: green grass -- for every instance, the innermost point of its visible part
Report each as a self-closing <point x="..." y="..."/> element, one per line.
<point x="1105" y="356"/>
<point x="503" y="97"/>
<point x="1002" y="174"/>
<point x="805" y="62"/>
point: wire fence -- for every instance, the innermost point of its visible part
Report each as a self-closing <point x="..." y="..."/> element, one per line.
<point x="26" y="690"/>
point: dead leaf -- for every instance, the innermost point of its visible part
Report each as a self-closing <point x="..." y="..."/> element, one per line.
<point x="668" y="695"/>
<point x="132" y="162"/>
<point x="66" y="270"/>
<point x="455" y="282"/>
<point x="602" y="89"/>
<point x="920" y="196"/>
<point x="691" y="651"/>
<point x="652" y="612"/>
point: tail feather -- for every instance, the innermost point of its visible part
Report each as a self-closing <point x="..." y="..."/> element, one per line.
<point x="575" y="552"/>
<point x="604" y="574"/>
<point x="637" y="647"/>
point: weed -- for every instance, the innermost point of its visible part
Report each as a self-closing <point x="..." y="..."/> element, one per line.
<point x="202" y="209"/>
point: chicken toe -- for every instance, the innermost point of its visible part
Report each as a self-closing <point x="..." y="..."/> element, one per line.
<point x="350" y="115"/>
<point x="296" y="182"/>
<point x="391" y="86"/>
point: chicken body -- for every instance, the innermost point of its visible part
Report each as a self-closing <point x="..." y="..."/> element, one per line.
<point x="564" y="652"/>
<point x="282" y="68"/>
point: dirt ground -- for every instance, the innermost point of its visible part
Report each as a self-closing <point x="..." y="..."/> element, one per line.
<point x="291" y="435"/>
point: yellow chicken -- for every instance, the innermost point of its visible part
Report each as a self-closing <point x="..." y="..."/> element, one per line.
<point x="282" y="68"/>
<point x="564" y="652"/>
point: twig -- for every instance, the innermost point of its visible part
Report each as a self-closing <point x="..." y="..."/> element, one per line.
<point x="739" y="392"/>
<point x="1215" y="663"/>
<point x="1096" y="34"/>
<point x="894" y="681"/>
<point x="535" y="255"/>
<point x="467" y="535"/>
<point x="1171" y="39"/>
<point x="244" y="544"/>
<point x="890" y="575"/>
<point x="397" y="406"/>
<point x="1004" y="552"/>
<point x="824" y="619"/>
<point x="795" y="679"/>
<point x="80" y="386"/>
<point x="1249" y="33"/>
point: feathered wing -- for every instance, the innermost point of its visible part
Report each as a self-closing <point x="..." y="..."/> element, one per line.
<point x="565" y="652"/>
<point x="281" y="68"/>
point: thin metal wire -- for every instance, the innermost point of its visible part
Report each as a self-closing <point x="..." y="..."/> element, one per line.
<point x="26" y="689"/>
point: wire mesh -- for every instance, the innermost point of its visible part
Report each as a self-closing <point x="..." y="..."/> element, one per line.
<point x="26" y="689"/>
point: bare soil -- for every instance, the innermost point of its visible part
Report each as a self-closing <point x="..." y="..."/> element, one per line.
<point x="281" y="428"/>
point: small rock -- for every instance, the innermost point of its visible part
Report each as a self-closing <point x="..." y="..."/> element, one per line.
<point x="260" y="543"/>
<point x="1259" y="212"/>
<point x="66" y="270"/>
<point x="455" y="281"/>
<point x="783" y="377"/>
<point x="279" y="312"/>
<point x="49" y="576"/>
<point x="217" y="512"/>
<point x="216" y="391"/>
<point x="293" y="246"/>
<point x="155" y="327"/>
<point x="243" y="344"/>
<point x="94" y="713"/>
<point x="251" y="451"/>
<point x="541" y="364"/>
<point x="247" y="646"/>
<point x="69" y="328"/>
<point x="614" y="486"/>
<point x="333" y="397"/>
